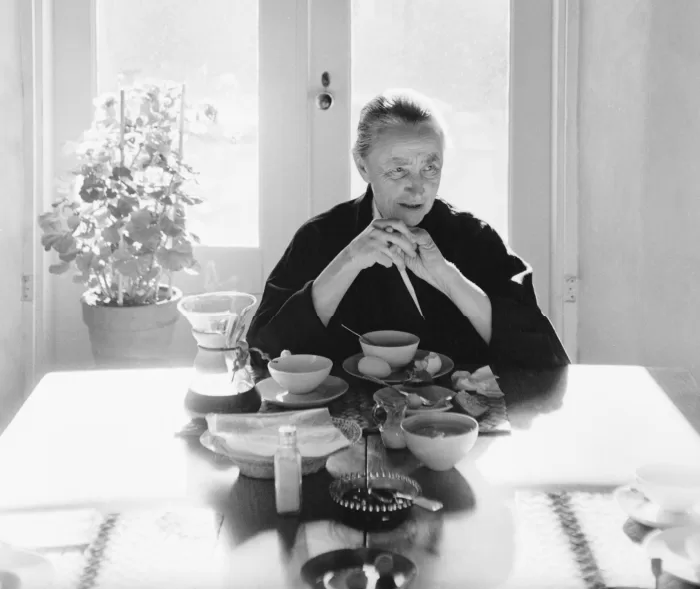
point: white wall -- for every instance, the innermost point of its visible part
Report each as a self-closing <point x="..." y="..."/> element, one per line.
<point x="12" y="199"/>
<point x="640" y="183"/>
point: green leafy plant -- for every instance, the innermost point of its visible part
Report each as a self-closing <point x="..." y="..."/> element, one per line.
<point x="121" y="221"/>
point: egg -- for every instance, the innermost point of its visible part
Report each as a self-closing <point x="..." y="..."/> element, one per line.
<point x="373" y="366"/>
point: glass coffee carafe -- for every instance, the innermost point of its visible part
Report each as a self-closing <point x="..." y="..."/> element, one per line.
<point x="222" y="380"/>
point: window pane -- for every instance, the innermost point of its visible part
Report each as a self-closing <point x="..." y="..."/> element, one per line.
<point x="212" y="46"/>
<point x="455" y="52"/>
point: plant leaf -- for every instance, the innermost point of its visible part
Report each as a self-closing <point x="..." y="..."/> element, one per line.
<point x="73" y="222"/>
<point x="169" y="228"/>
<point x="65" y="244"/>
<point x="48" y="240"/>
<point x="111" y="234"/>
<point x="129" y="268"/>
<point x="69" y="256"/>
<point x="140" y="219"/>
<point x="150" y="236"/>
<point x="59" y="268"/>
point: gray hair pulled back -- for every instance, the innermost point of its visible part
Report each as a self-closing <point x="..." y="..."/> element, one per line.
<point x="393" y="108"/>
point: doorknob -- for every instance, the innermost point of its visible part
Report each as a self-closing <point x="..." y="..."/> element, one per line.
<point x="324" y="100"/>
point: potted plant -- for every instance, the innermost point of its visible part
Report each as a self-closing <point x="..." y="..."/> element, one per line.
<point x="121" y="222"/>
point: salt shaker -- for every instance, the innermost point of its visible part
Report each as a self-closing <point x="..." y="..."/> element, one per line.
<point x="288" y="472"/>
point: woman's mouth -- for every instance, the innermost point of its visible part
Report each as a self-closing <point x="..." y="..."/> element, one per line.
<point x="410" y="207"/>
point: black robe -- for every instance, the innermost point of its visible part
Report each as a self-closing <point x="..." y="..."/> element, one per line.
<point x="521" y="337"/>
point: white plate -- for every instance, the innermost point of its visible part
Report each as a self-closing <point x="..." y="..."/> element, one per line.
<point x="639" y="508"/>
<point x="329" y="390"/>
<point x="400" y="375"/>
<point x="669" y="546"/>
<point x="28" y="570"/>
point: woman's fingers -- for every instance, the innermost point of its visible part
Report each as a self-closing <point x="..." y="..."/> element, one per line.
<point x="421" y="237"/>
<point x="384" y="257"/>
<point x="396" y="226"/>
<point x="397" y="256"/>
<point x="391" y="237"/>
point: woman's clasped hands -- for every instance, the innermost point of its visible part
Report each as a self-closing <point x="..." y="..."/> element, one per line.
<point x="385" y="241"/>
<point x="391" y="242"/>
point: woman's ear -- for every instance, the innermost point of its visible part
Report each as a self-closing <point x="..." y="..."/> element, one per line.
<point x="361" y="167"/>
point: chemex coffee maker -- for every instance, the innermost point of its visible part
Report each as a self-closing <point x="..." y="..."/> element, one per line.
<point x="222" y="381"/>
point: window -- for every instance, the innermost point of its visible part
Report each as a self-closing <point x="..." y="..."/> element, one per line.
<point x="213" y="49"/>
<point x="457" y="53"/>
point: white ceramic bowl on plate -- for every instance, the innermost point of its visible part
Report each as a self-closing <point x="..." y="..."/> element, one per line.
<point x="398" y="348"/>
<point x="673" y="487"/>
<point x="300" y="373"/>
<point x="443" y="452"/>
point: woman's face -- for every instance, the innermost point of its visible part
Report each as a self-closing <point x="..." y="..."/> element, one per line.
<point x="403" y="167"/>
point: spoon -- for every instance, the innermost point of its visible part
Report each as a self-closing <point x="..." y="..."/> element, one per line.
<point x="376" y="380"/>
<point x="362" y="337"/>
<point x="387" y="496"/>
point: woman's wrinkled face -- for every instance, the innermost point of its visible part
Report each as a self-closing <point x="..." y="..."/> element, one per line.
<point x="403" y="167"/>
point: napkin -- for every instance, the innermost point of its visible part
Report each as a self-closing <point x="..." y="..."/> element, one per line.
<point x="258" y="434"/>
<point x="481" y="381"/>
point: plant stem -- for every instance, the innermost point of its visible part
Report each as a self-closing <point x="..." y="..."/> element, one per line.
<point x="182" y="125"/>
<point x="120" y="295"/>
<point x="104" y="285"/>
<point x="122" y="124"/>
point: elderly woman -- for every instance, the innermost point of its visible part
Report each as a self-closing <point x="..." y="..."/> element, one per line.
<point x="398" y="257"/>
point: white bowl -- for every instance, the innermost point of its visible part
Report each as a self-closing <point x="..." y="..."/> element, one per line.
<point x="299" y="373"/>
<point x="440" y="453"/>
<point x="398" y="348"/>
<point x="673" y="487"/>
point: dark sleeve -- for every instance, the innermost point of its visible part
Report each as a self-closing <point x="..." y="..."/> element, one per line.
<point x="521" y="335"/>
<point x="286" y="317"/>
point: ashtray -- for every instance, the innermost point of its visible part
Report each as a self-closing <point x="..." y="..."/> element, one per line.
<point x="359" y="568"/>
<point x="379" y="500"/>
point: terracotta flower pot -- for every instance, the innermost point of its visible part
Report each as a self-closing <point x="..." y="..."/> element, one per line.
<point x="131" y="336"/>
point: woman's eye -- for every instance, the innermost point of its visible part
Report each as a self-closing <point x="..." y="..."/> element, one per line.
<point x="431" y="170"/>
<point x="397" y="172"/>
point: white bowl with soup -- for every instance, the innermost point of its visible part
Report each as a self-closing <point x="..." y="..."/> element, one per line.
<point x="397" y="348"/>
<point x="299" y="373"/>
<point x="440" y="440"/>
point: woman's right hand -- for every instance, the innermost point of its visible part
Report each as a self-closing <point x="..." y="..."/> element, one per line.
<point x="381" y="243"/>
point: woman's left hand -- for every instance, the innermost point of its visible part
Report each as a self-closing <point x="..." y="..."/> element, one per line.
<point x="429" y="264"/>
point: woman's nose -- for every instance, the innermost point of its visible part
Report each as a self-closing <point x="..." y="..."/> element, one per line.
<point x="416" y="187"/>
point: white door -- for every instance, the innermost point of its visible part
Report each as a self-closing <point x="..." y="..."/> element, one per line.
<point x="272" y="159"/>
<point x="13" y="323"/>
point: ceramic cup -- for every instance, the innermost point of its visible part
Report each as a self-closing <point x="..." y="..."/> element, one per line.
<point x="300" y="373"/>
